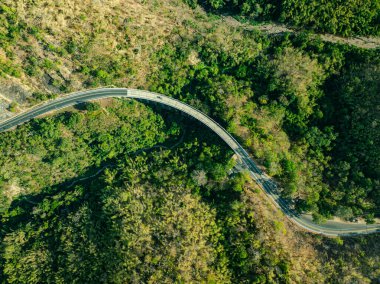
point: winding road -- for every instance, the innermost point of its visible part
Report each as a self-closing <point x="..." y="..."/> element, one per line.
<point x="330" y="228"/>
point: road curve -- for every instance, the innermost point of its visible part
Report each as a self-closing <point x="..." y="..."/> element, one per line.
<point x="330" y="228"/>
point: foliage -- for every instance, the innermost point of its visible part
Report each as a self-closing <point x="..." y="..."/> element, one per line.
<point x="276" y="96"/>
<point x="70" y="143"/>
<point x="147" y="218"/>
<point x="143" y="219"/>
<point x="38" y="97"/>
<point x="345" y="18"/>
<point x="85" y="196"/>
<point x="355" y="173"/>
<point x="12" y="107"/>
<point x="10" y="27"/>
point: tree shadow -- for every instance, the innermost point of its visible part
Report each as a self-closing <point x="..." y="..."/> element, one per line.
<point x="41" y="216"/>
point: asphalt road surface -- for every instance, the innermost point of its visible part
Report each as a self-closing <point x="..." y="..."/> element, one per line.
<point x="330" y="228"/>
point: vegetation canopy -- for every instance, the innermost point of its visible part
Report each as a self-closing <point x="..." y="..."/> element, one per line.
<point x="171" y="210"/>
<point x="119" y="191"/>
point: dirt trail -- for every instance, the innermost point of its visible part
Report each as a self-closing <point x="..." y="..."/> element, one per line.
<point x="359" y="41"/>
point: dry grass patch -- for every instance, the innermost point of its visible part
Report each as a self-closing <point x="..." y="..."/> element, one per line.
<point x="277" y="229"/>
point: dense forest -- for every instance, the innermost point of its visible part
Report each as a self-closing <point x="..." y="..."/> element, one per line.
<point x="288" y="106"/>
<point x="170" y="208"/>
<point x="346" y="18"/>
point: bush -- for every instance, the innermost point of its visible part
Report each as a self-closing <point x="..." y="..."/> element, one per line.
<point x="12" y="107"/>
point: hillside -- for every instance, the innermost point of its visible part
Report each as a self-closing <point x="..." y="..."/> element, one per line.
<point x="166" y="209"/>
<point x="354" y="17"/>
<point x="307" y="109"/>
